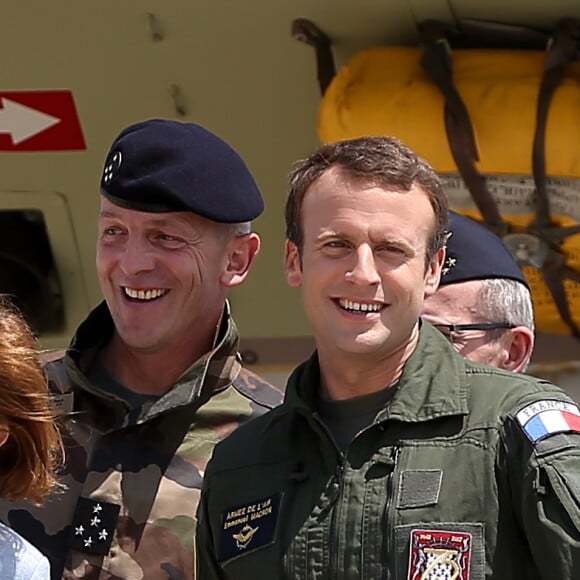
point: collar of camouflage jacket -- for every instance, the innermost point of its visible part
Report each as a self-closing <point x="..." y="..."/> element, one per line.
<point x="213" y="371"/>
<point x="433" y="384"/>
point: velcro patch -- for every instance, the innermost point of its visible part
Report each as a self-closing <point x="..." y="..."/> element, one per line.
<point x="248" y="527"/>
<point x="548" y="417"/>
<point x="419" y="488"/>
<point x="437" y="554"/>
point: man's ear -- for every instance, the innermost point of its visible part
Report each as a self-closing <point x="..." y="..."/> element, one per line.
<point x="292" y="265"/>
<point x="519" y="349"/>
<point x="433" y="274"/>
<point x="241" y="254"/>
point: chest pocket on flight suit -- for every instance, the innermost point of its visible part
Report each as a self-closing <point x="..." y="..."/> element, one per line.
<point x="438" y="531"/>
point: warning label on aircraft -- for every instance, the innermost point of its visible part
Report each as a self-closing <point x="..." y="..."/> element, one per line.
<point x="39" y="121"/>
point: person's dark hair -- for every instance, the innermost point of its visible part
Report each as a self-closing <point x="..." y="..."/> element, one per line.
<point x="382" y="161"/>
<point x="29" y="455"/>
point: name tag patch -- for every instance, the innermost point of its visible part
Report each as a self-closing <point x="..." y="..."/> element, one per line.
<point x="544" y="418"/>
<point x="63" y="403"/>
<point x="438" y="554"/>
<point x="248" y="527"/>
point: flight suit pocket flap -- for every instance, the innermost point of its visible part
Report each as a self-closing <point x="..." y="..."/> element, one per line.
<point x="564" y="477"/>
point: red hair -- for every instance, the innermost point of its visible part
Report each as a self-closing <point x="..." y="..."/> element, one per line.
<point x="29" y="456"/>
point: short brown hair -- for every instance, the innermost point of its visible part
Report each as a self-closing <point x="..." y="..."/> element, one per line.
<point x="382" y="161"/>
<point x="28" y="458"/>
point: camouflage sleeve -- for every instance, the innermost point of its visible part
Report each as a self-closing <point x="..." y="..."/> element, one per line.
<point x="541" y="463"/>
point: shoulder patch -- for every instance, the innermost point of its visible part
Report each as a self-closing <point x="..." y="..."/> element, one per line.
<point x="548" y="417"/>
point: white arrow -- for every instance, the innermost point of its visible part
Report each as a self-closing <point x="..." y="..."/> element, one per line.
<point x="23" y="122"/>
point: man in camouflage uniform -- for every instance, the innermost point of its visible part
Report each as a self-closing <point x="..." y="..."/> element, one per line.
<point x="392" y="457"/>
<point x="483" y="304"/>
<point x="152" y="379"/>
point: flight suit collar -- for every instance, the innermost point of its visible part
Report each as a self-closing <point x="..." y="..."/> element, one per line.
<point x="433" y="383"/>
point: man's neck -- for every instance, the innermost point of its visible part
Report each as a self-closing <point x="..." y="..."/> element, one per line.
<point x="346" y="376"/>
<point x="152" y="373"/>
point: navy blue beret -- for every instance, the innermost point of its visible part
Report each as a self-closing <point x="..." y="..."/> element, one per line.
<point x="161" y="166"/>
<point x="475" y="253"/>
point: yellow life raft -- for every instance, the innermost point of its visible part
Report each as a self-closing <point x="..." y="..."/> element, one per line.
<point x="502" y="127"/>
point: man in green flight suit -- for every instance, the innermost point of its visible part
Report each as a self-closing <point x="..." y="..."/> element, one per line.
<point x="153" y="378"/>
<point x="392" y="456"/>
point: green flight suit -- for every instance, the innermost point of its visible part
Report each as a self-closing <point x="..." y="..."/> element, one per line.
<point x="450" y="481"/>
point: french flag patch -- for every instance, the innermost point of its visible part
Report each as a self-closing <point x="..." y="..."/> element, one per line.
<point x="548" y="417"/>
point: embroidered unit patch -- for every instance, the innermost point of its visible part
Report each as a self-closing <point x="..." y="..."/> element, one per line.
<point x="439" y="555"/>
<point x="544" y="418"/>
<point x="248" y="527"/>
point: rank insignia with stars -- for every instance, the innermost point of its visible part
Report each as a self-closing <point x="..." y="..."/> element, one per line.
<point x="112" y="165"/>
<point x="450" y="262"/>
<point x="93" y="526"/>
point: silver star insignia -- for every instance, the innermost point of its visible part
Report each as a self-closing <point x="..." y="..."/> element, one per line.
<point x="88" y="542"/>
<point x="95" y="521"/>
<point x="79" y="531"/>
<point x="98" y="508"/>
<point x="103" y="535"/>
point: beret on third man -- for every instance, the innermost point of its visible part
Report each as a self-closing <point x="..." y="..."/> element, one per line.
<point x="475" y="253"/>
<point x="161" y="165"/>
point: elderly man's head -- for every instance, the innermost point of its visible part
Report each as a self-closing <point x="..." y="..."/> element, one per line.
<point x="483" y="303"/>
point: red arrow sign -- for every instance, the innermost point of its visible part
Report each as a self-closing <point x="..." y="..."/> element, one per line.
<point x="39" y="121"/>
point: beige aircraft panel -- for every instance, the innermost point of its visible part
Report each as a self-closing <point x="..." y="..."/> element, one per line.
<point x="229" y="65"/>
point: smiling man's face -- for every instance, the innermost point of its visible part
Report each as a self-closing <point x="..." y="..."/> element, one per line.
<point x="362" y="265"/>
<point x="161" y="274"/>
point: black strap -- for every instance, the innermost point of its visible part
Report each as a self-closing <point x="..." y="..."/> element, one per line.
<point x="477" y="33"/>
<point x="554" y="272"/>
<point x="436" y="61"/>
<point x="561" y="50"/>
<point x="306" y="31"/>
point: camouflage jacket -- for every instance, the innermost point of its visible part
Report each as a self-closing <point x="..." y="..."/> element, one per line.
<point x="132" y="483"/>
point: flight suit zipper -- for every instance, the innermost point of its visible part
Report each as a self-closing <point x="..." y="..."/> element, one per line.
<point x="389" y="515"/>
<point x="334" y="522"/>
<point x="334" y="490"/>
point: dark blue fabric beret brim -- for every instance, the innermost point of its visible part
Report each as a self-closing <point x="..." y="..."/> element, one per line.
<point x="475" y="253"/>
<point x="162" y="166"/>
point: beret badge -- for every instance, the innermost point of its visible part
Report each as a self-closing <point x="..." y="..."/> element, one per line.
<point x="449" y="263"/>
<point x="112" y="166"/>
<point x="476" y="253"/>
